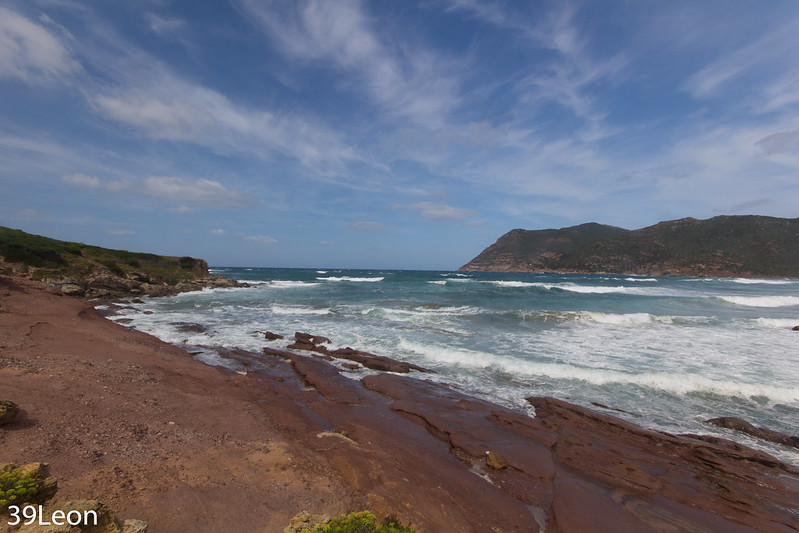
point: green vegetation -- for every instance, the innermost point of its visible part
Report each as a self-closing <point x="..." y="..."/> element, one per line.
<point x="362" y="522"/>
<point x="17" y="488"/>
<point x="41" y="257"/>
<point x="720" y="246"/>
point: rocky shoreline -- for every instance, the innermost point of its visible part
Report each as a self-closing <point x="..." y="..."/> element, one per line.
<point x="109" y="286"/>
<point x="124" y="418"/>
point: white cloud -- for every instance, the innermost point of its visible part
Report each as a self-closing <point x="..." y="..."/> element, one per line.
<point x="260" y="239"/>
<point x="166" y="107"/>
<point x="165" y="27"/>
<point x="205" y="192"/>
<point x="781" y="142"/>
<point x="93" y="182"/>
<point x="433" y="211"/>
<point x="31" y="53"/>
<point x="172" y="120"/>
<point x="404" y="80"/>
<point x="217" y="232"/>
<point x="764" y="67"/>
<point x="201" y="191"/>
<point x="367" y="226"/>
<point x="181" y="210"/>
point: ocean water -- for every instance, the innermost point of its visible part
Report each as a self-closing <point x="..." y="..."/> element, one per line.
<point x="668" y="352"/>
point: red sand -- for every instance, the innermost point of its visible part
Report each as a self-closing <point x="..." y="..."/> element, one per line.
<point x="136" y="423"/>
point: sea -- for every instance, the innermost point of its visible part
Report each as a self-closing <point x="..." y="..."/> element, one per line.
<point x="667" y="353"/>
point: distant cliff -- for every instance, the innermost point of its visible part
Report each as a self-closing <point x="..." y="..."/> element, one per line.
<point x="93" y="272"/>
<point x="721" y="246"/>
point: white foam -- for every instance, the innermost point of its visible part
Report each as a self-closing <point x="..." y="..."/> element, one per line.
<point x="438" y="282"/>
<point x="352" y="279"/>
<point x="290" y="284"/>
<point x="641" y="279"/>
<point x="753" y="281"/>
<point x="675" y="383"/>
<point x="212" y="357"/>
<point x="298" y="310"/>
<point x="762" y="301"/>
<point x="625" y="319"/>
<point x="781" y="323"/>
<point x="514" y="284"/>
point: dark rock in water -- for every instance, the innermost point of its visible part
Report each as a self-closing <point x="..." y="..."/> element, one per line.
<point x="189" y="327"/>
<point x="306" y="341"/>
<point x="307" y="338"/>
<point x="8" y="411"/>
<point x="738" y="424"/>
<point x="309" y="346"/>
<point x="603" y="406"/>
<point x="376" y="362"/>
<point x="795" y="328"/>
<point x="272" y="336"/>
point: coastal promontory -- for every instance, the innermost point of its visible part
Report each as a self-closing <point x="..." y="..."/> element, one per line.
<point x="79" y="269"/>
<point x="724" y="246"/>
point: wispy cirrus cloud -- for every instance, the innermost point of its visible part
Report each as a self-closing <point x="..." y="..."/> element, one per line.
<point x="408" y="81"/>
<point x="139" y="92"/>
<point x="765" y="62"/>
<point x="566" y="73"/>
<point x="260" y="239"/>
<point x="201" y="191"/>
<point x="167" y="107"/>
<point x="434" y="211"/>
<point x="30" y="52"/>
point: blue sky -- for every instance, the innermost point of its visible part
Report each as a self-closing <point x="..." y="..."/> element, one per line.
<point x="388" y="134"/>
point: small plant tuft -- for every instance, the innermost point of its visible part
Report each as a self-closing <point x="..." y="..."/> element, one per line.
<point x="361" y="522"/>
<point x="17" y="488"/>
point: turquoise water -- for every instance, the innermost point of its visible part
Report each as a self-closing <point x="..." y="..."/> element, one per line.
<point x="671" y="352"/>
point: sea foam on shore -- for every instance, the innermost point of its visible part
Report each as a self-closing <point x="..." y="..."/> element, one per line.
<point x="670" y="352"/>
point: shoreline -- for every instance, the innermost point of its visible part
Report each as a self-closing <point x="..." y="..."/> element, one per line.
<point x="248" y="452"/>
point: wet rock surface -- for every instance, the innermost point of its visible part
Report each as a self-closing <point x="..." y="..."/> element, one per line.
<point x="738" y="424"/>
<point x="120" y="414"/>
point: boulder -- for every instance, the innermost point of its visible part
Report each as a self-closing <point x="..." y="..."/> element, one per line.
<point x="738" y="424"/>
<point x="72" y="289"/>
<point x="376" y="362"/>
<point x="307" y="338"/>
<point x="189" y="327"/>
<point x="8" y="411"/>
<point x="305" y="520"/>
<point x="272" y="336"/>
<point x="496" y="461"/>
<point x="795" y="328"/>
<point x="48" y="485"/>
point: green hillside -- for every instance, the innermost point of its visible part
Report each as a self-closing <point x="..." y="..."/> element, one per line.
<point x="92" y="271"/>
<point x="720" y="246"/>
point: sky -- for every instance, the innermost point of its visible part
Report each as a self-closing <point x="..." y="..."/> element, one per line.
<point x="388" y="134"/>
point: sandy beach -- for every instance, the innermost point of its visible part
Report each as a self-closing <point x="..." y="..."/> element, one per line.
<point x="127" y="419"/>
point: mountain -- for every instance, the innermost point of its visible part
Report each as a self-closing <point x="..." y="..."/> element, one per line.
<point x="721" y="246"/>
<point x="94" y="272"/>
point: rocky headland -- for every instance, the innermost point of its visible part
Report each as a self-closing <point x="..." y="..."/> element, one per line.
<point x="77" y="269"/>
<point x="723" y="246"/>
<point x="124" y="418"/>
